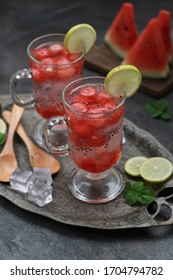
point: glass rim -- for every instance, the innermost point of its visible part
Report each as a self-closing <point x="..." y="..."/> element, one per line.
<point x="90" y="78"/>
<point x="47" y="36"/>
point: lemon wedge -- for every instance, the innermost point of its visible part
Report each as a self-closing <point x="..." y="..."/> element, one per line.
<point x="3" y="130"/>
<point x="132" y="165"/>
<point x="123" y="78"/>
<point x="3" y="126"/>
<point x="156" y="169"/>
<point x="80" y="37"/>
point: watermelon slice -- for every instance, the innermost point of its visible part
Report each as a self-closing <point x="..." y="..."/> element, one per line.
<point x="148" y="53"/>
<point x="122" y="34"/>
<point x="164" y="20"/>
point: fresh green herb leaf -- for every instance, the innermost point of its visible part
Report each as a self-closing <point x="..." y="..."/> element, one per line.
<point x="2" y="138"/>
<point x="131" y="198"/>
<point x="161" y="104"/>
<point x="154" y="112"/>
<point x="128" y="187"/>
<point x="166" y="115"/>
<point x="138" y="187"/>
<point x="138" y="193"/>
<point x="148" y="195"/>
<point x="159" y="108"/>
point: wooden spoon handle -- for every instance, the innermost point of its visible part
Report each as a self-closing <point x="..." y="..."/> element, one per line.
<point x="16" y="115"/>
<point x="20" y="130"/>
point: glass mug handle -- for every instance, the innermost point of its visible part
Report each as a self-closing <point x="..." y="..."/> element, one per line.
<point x="55" y="134"/>
<point x="17" y="76"/>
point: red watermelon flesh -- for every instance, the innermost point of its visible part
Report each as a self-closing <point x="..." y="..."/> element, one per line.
<point x="164" y="20"/>
<point x="149" y="54"/>
<point x="122" y="34"/>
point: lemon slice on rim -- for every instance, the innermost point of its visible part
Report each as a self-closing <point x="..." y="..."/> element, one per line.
<point x="156" y="169"/>
<point x="3" y="130"/>
<point x="132" y="165"/>
<point x="79" y="37"/>
<point x="3" y="126"/>
<point x="123" y="77"/>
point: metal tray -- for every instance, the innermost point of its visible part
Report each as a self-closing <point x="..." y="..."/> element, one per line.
<point x="112" y="215"/>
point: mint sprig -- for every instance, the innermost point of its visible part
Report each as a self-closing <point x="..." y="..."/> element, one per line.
<point x="137" y="192"/>
<point x="2" y="138"/>
<point x="159" y="109"/>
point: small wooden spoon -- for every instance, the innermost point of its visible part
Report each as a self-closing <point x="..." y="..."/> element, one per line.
<point x="8" y="161"/>
<point x="38" y="158"/>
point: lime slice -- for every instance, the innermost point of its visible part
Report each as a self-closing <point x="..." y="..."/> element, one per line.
<point x="156" y="169"/>
<point x="3" y="126"/>
<point x="79" y="37"/>
<point x="3" y="129"/>
<point x="123" y="78"/>
<point x="133" y="164"/>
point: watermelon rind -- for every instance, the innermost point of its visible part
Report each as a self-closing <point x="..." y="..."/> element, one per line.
<point x="122" y="33"/>
<point x="164" y="21"/>
<point x="119" y="52"/>
<point x="148" y="53"/>
<point x="150" y="73"/>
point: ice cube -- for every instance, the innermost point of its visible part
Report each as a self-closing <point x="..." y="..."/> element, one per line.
<point x="41" y="175"/>
<point x="19" y="179"/>
<point x="40" y="193"/>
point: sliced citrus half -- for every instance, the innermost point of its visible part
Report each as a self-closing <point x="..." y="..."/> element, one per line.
<point x="125" y="78"/>
<point x="156" y="169"/>
<point x="132" y="165"/>
<point x="3" y="126"/>
<point x="3" y="130"/>
<point x="80" y="37"/>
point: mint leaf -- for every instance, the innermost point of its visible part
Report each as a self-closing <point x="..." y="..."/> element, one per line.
<point x="2" y="138"/>
<point x="138" y="187"/>
<point x="138" y="193"/>
<point x="161" y="104"/>
<point x="131" y="198"/>
<point x="158" y="108"/>
<point x="154" y="112"/>
<point x="128" y="187"/>
<point x="166" y="115"/>
<point x="148" y="195"/>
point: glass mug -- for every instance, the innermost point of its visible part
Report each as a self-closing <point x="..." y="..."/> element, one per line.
<point x="95" y="130"/>
<point x="51" y="69"/>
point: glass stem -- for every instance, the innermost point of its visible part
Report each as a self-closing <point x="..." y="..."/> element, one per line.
<point x="95" y="176"/>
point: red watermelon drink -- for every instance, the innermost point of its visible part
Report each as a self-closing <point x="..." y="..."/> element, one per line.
<point x="52" y="67"/>
<point x="55" y="60"/>
<point x="95" y="130"/>
<point x="94" y="120"/>
<point x="94" y="109"/>
<point x="95" y="127"/>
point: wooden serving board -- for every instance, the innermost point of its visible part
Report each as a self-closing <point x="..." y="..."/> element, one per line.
<point x="102" y="59"/>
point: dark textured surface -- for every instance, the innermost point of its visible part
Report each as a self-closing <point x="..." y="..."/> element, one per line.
<point x="25" y="235"/>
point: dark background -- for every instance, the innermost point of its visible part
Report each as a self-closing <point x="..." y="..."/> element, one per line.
<point x="24" y="235"/>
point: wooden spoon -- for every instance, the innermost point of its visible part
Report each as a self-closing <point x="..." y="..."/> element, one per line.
<point x="38" y="158"/>
<point x="8" y="161"/>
